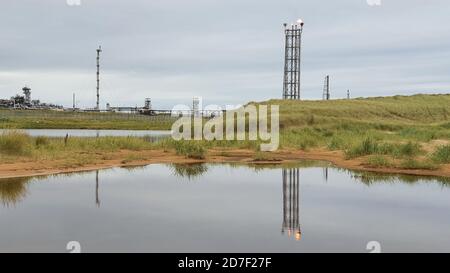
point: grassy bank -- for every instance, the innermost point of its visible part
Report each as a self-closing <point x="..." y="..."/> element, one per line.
<point x="16" y="145"/>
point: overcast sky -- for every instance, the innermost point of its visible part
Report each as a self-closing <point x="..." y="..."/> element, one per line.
<point x="227" y="51"/>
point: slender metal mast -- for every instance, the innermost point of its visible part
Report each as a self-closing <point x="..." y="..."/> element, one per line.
<point x="326" y="88"/>
<point x="98" y="77"/>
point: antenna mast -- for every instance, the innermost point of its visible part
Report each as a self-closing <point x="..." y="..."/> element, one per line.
<point x="326" y="88"/>
<point x="98" y="77"/>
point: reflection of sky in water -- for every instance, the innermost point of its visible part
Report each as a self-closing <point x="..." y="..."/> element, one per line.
<point x="221" y="208"/>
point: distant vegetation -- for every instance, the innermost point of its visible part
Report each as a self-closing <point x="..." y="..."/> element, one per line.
<point x="47" y="119"/>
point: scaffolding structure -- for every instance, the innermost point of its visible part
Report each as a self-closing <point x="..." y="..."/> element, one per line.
<point x="292" y="60"/>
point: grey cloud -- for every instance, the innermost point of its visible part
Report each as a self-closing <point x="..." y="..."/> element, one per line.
<point x="227" y="51"/>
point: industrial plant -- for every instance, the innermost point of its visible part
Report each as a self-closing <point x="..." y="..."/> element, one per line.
<point x="25" y="102"/>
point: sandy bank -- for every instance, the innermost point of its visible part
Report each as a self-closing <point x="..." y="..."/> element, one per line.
<point x="26" y="168"/>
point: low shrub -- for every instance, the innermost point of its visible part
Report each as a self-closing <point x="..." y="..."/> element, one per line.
<point x="15" y="143"/>
<point x="41" y="141"/>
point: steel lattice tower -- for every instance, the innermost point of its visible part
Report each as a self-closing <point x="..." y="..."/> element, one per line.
<point x="292" y="58"/>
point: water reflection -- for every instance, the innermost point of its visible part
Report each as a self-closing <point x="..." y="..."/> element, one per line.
<point x="97" y="199"/>
<point x="13" y="190"/>
<point x="325" y="174"/>
<point x="140" y="208"/>
<point x="291" y="193"/>
<point x="291" y="203"/>
<point x="371" y="178"/>
<point x="189" y="171"/>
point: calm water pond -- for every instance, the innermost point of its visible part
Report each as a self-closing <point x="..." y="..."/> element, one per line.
<point x="305" y="207"/>
<point x="93" y="133"/>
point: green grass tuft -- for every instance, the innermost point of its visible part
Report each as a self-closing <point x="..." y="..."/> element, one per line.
<point x="379" y="161"/>
<point x="366" y="147"/>
<point x="264" y="156"/>
<point x="413" y="164"/>
<point x="442" y="155"/>
<point x="190" y="149"/>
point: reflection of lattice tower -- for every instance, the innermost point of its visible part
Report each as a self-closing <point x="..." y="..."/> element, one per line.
<point x="292" y="58"/>
<point x="326" y="88"/>
<point x="27" y="93"/>
<point x="291" y="201"/>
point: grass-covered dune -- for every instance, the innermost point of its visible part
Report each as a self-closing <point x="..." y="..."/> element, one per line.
<point x="401" y="131"/>
<point x="388" y="113"/>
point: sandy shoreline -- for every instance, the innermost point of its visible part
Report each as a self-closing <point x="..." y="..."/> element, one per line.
<point x="27" y="169"/>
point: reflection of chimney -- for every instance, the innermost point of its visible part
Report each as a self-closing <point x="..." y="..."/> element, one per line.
<point x="291" y="201"/>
